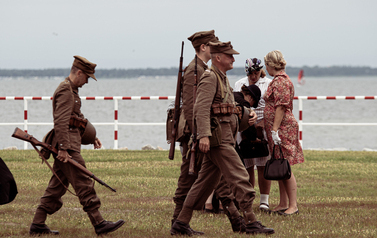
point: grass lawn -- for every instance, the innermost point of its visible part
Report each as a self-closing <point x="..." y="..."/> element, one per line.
<point x="337" y="196"/>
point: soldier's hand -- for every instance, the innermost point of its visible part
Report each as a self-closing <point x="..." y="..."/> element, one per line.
<point x="63" y="156"/>
<point x="97" y="143"/>
<point x="204" y="144"/>
<point x="253" y="118"/>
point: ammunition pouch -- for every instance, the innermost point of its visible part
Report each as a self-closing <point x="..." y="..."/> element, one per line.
<point x="78" y="122"/>
<point x="226" y="109"/>
<point x="221" y="109"/>
<point x="215" y="139"/>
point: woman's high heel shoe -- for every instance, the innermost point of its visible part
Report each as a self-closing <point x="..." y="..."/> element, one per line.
<point x="277" y="212"/>
<point x="286" y="214"/>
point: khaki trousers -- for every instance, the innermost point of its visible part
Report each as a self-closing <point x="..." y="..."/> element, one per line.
<point x="221" y="160"/>
<point x="83" y="186"/>
<point x="226" y="197"/>
<point x="185" y="181"/>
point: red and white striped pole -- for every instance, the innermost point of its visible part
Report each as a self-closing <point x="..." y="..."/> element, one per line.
<point x="25" y="121"/>
<point x="115" y="124"/>
<point x="300" y="121"/>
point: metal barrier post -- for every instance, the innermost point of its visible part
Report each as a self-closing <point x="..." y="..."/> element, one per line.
<point x="300" y="121"/>
<point x="25" y="120"/>
<point x="115" y="123"/>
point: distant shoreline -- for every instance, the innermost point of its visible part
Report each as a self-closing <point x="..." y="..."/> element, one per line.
<point x="316" y="71"/>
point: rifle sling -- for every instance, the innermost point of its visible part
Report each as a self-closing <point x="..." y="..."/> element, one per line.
<point x="48" y="164"/>
<point x="223" y="97"/>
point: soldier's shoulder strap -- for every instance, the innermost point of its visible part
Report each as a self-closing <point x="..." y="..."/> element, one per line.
<point x="223" y="96"/>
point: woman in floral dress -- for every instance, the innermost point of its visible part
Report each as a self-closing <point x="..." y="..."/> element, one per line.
<point x="282" y="127"/>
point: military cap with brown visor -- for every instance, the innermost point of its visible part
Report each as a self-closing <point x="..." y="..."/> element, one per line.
<point x="222" y="47"/>
<point x="203" y="37"/>
<point x="85" y="66"/>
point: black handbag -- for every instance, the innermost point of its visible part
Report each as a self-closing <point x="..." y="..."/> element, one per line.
<point x="277" y="169"/>
<point x="254" y="149"/>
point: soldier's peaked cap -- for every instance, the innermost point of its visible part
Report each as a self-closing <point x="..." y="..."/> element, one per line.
<point x="203" y="37"/>
<point x="85" y="65"/>
<point x="222" y="47"/>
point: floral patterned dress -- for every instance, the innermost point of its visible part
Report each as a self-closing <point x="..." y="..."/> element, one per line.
<point x="280" y="92"/>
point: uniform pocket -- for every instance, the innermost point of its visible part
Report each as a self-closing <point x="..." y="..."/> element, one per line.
<point x="77" y="106"/>
<point x="215" y="139"/>
<point x="75" y="139"/>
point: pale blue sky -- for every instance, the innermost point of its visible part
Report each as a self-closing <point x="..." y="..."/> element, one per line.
<point x="148" y="33"/>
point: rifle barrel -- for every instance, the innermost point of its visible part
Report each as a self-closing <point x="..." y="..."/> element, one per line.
<point x="177" y="106"/>
<point x="22" y="135"/>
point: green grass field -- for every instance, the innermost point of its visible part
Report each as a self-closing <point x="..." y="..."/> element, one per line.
<point x="337" y="196"/>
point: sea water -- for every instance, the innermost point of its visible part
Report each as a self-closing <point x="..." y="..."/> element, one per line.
<point x="135" y="137"/>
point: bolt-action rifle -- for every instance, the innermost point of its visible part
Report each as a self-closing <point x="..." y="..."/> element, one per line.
<point x="193" y="135"/>
<point x="22" y="135"/>
<point x="177" y="107"/>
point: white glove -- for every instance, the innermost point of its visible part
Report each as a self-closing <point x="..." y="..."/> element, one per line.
<point x="276" y="137"/>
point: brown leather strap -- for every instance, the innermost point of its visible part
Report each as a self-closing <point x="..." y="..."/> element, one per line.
<point x="78" y="122"/>
<point x="44" y="160"/>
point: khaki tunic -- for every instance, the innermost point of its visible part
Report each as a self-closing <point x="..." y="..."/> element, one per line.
<point x="210" y="93"/>
<point x="66" y="102"/>
<point x="187" y="88"/>
<point x="222" y="159"/>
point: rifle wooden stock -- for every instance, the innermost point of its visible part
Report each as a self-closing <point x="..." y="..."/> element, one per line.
<point x="194" y="140"/>
<point x="177" y="107"/>
<point x="22" y="135"/>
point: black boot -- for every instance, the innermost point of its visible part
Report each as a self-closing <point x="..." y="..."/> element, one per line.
<point x="236" y="220"/>
<point x="238" y="224"/>
<point x="180" y="228"/>
<point x="257" y="228"/>
<point x="107" y="226"/>
<point x="37" y="229"/>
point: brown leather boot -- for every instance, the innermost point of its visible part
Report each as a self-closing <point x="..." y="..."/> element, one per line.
<point x="107" y="226"/>
<point x="181" y="228"/>
<point x="40" y="229"/>
<point x="238" y="224"/>
<point x="235" y="218"/>
<point x="173" y="232"/>
<point x="257" y="228"/>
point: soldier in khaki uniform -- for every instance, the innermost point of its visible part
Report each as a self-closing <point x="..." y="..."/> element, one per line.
<point x="66" y="138"/>
<point x="217" y="127"/>
<point x="200" y="42"/>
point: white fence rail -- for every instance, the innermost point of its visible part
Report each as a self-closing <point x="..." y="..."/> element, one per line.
<point x="301" y="123"/>
<point x="116" y="123"/>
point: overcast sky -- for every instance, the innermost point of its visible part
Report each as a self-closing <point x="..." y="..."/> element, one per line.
<point x="37" y="34"/>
